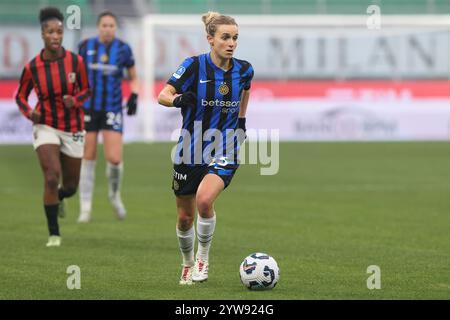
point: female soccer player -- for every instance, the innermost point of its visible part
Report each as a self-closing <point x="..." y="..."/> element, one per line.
<point x="59" y="79"/>
<point x="212" y="91"/>
<point x="106" y="57"/>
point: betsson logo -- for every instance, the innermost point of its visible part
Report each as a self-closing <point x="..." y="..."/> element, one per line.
<point x="220" y="103"/>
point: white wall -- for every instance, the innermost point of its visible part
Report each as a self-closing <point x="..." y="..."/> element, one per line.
<point x="297" y="120"/>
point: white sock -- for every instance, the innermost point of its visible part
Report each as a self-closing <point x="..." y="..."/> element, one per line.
<point x="86" y="187"/>
<point x="205" y="231"/>
<point x="186" y="241"/>
<point x="114" y="174"/>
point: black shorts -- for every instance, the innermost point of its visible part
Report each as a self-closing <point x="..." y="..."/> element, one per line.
<point x="102" y="120"/>
<point x="186" y="179"/>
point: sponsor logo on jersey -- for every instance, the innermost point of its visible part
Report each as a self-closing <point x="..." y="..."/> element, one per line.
<point x="220" y="103"/>
<point x="106" y="69"/>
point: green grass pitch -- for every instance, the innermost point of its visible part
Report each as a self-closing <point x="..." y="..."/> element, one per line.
<point x="332" y="210"/>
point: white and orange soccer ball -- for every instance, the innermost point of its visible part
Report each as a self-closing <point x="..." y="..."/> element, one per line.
<point x="259" y="271"/>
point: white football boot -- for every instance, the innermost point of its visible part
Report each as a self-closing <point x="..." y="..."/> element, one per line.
<point x="85" y="212"/>
<point x="186" y="275"/>
<point x="117" y="204"/>
<point x="200" y="271"/>
<point x="84" y="217"/>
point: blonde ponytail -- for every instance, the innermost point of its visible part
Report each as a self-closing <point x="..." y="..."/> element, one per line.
<point x="213" y="19"/>
<point x="209" y="16"/>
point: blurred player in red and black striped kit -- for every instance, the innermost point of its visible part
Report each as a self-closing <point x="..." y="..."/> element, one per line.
<point x="60" y="81"/>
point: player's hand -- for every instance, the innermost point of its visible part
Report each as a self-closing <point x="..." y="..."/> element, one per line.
<point x="132" y="104"/>
<point x="241" y="125"/>
<point x="69" y="101"/>
<point x="35" y="116"/>
<point x="187" y="99"/>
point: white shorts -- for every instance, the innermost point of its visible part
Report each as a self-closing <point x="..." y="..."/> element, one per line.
<point x="71" y="144"/>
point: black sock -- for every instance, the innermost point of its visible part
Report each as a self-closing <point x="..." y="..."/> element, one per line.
<point x="51" y="212"/>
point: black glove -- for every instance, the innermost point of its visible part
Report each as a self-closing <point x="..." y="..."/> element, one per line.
<point x="241" y="124"/>
<point x="132" y="104"/>
<point x="187" y="99"/>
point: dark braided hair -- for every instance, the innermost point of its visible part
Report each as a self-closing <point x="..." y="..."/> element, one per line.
<point x="50" y="13"/>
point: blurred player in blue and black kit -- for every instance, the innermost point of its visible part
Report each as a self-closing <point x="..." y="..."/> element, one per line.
<point x="212" y="91"/>
<point x="106" y="57"/>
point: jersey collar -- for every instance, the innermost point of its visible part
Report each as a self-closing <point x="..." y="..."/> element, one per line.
<point x="208" y="57"/>
<point x="105" y="44"/>
<point x="62" y="57"/>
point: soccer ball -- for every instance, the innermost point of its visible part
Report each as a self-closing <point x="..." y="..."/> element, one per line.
<point x="259" y="271"/>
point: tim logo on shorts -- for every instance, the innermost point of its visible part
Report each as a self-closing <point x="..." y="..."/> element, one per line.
<point x="179" y="176"/>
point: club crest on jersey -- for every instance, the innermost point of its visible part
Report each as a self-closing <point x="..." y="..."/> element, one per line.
<point x="72" y="77"/>
<point x="179" y="72"/>
<point x="223" y="89"/>
<point x="104" y="58"/>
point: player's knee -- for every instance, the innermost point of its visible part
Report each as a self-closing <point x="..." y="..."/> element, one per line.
<point x="51" y="180"/>
<point x="204" y="204"/>
<point x="185" y="221"/>
<point x="115" y="162"/>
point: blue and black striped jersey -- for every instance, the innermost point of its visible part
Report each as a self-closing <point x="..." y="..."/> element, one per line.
<point x="218" y="102"/>
<point x="106" y="64"/>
